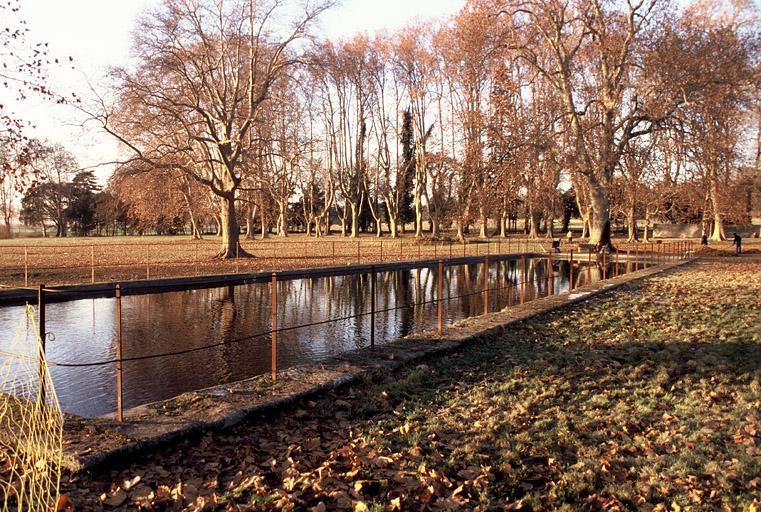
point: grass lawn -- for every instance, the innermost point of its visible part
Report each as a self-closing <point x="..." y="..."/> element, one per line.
<point x="54" y="261"/>
<point x="646" y="398"/>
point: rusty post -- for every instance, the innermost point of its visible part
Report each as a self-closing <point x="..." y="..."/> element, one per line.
<point x="92" y="263"/>
<point x="273" y="294"/>
<point x="570" y="269"/>
<point x="381" y="256"/>
<point x="435" y="253"/>
<point x="359" y="255"/>
<point x="605" y="265"/>
<point x="119" y="401"/>
<point x="616" y="273"/>
<point x="450" y="249"/>
<point x="486" y="286"/>
<point x="418" y="249"/>
<point x="26" y="267"/>
<point x="237" y="258"/>
<point x="499" y="246"/>
<point x="401" y="248"/>
<point x="523" y="279"/>
<point x="333" y="248"/>
<point x="372" y="307"/>
<point x="41" y="334"/>
<point x="636" y="258"/>
<point x="439" y="296"/>
<point x="550" y="274"/>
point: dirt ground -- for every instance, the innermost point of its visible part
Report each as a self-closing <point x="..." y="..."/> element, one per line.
<point x="31" y="262"/>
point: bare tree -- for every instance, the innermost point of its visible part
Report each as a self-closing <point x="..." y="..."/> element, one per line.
<point x="204" y="72"/>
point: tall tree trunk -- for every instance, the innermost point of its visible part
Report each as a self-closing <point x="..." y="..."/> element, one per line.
<point x="550" y="224"/>
<point x="533" y="223"/>
<point x="631" y="224"/>
<point x="282" y="221"/>
<point x="393" y="227"/>
<point x="264" y="228"/>
<point x="251" y="215"/>
<point x="230" y="232"/>
<point x="435" y="227"/>
<point x="718" y="221"/>
<point x="354" y="220"/>
<point x="218" y="224"/>
<point x="484" y="225"/>
<point x="460" y="231"/>
<point x="418" y="216"/>
<point x="599" y="233"/>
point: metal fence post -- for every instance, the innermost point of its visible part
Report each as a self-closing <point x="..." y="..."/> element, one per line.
<point x="41" y="334"/>
<point x="439" y="296"/>
<point x="119" y="401"/>
<point x="92" y="263"/>
<point x="636" y="258"/>
<point x="523" y="279"/>
<point x="381" y="256"/>
<point x="372" y="307"/>
<point x="550" y="275"/>
<point x="604" y="264"/>
<point x="486" y="286"/>
<point x="273" y="294"/>
<point x="359" y="257"/>
<point x="26" y="267"/>
<point x="616" y="269"/>
<point x="570" y="269"/>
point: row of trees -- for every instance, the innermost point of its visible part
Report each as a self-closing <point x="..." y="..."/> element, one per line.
<point x="234" y="111"/>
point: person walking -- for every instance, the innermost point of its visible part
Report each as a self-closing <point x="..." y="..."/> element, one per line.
<point x="737" y="242"/>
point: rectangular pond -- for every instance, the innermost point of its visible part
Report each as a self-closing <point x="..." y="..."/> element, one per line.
<point x="220" y="335"/>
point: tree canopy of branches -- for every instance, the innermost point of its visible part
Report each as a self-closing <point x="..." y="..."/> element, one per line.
<point x="639" y="108"/>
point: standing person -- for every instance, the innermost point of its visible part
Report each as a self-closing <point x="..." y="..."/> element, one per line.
<point x="737" y="242"/>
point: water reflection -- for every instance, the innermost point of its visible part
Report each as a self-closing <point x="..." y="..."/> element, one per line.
<point x="84" y="330"/>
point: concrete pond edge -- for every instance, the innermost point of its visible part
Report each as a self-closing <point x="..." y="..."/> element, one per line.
<point x="92" y="443"/>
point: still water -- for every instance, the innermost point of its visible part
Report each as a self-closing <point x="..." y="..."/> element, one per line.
<point x="83" y="331"/>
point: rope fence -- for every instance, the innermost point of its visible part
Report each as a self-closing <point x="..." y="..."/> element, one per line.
<point x="184" y="258"/>
<point x="664" y="253"/>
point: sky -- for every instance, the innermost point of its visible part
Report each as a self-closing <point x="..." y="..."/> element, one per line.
<point x="96" y="33"/>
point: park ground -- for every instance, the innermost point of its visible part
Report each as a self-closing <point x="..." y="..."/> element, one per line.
<point x="644" y="398"/>
<point x="50" y="261"/>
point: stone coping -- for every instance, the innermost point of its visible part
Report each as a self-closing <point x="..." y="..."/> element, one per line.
<point x="89" y="443"/>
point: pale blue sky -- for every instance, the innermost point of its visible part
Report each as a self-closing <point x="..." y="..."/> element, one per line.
<point x="97" y="34"/>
